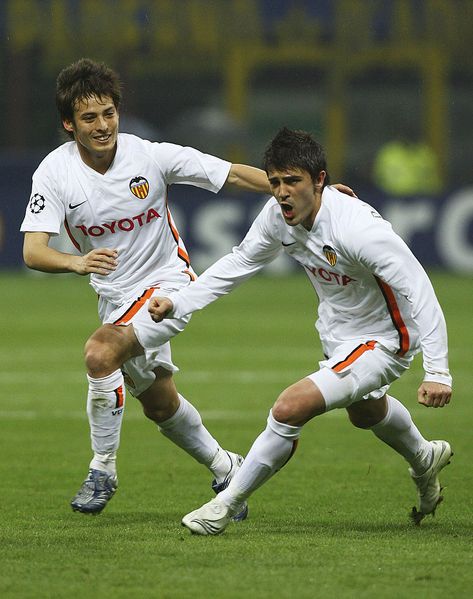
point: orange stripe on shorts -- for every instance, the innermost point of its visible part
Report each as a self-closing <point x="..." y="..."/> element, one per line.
<point x="354" y="355"/>
<point x="135" y="306"/>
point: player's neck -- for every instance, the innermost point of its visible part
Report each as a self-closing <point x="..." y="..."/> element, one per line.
<point x="309" y="222"/>
<point x="99" y="162"/>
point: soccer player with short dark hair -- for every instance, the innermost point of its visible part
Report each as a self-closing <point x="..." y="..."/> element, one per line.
<point x="377" y="310"/>
<point x="110" y="191"/>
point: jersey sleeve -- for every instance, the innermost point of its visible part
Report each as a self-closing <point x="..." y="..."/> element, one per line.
<point x="258" y="248"/>
<point x="188" y="165"/>
<point x="387" y="256"/>
<point x="45" y="211"/>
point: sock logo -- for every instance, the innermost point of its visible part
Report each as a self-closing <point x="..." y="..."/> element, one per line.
<point x="120" y="401"/>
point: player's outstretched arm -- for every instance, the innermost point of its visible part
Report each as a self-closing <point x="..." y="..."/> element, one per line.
<point x="39" y="256"/>
<point x="160" y="308"/>
<point x="251" y="178"/>
<point x="434" y="395"/>
<point x="248" y="178"/>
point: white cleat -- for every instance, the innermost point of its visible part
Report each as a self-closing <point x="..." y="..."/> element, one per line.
<point x="210" y="519"/>
<point x="428" y="484"/>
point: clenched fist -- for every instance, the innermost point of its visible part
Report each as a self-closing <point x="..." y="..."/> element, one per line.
<point x="159" y="308"/>
<point x="434" y="395"/>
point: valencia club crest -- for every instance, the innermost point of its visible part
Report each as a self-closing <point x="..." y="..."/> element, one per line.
<point x="330" y="254"/>
<point x="139" y="187"/>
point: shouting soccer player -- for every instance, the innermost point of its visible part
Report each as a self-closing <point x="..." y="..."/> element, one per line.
<point x="377" y="309"/>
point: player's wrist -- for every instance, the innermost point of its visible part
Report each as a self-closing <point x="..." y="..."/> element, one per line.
<point x="171" y="298"/>
<point x="438" y="377"/>
<point x="74" y="264"/>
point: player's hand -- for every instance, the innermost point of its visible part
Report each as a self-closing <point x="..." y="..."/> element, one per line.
<point x="345" y="189"/>
<point x="101" y="261"/>
<point x="434" y="395"/>
<point x="159" y="308"/>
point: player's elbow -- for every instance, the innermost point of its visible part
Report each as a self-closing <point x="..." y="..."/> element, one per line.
<point x="33" y="244"/>
<point x="30" y="257"/>
<point x="232" y="178"/>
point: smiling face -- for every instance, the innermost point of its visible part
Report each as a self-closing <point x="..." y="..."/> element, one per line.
<point x="95" y="129"/>
<point x="298" y="195"/>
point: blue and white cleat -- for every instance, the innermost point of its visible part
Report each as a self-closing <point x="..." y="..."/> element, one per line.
<point x="96" y="491"/>
<point x="236" y="462"/>
<point x="428" y="484"/>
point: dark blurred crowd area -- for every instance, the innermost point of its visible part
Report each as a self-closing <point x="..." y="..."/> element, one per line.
<point x="379" y="82"/>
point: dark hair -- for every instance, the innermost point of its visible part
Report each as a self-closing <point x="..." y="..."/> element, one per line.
<point x="84" y="79"/>
<point x="296" y="149"/>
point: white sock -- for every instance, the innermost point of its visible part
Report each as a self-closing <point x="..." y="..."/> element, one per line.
<point x="105" y="407"/>
<point x="268" y="454"/>
<point x="221" y="465"/>
<point x="186" y="430"/>
<point x="398" y="430"/>
<point x="105" y="462"/>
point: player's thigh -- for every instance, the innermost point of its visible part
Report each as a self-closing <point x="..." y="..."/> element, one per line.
<point x="140" y="371"/>
<point x="153" y="337"/>
<point x="358" y="371"/>
<point x="299" y="403"/>
<point x="150" y="335"/>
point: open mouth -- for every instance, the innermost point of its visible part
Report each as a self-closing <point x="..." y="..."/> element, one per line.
<point x="103" y="138"/>
<point x="287" y="210"/>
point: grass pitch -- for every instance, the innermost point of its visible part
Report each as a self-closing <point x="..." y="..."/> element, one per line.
<point x="332" y="524"/>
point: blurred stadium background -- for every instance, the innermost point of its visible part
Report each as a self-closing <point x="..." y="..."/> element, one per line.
<point x="224" y="75"/>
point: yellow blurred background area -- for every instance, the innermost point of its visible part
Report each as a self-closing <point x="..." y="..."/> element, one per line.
<point x="227" y="73"/>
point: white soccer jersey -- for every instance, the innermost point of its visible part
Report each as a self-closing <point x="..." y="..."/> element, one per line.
<point x="368" y="282"/>
<point x="124" y="209"/>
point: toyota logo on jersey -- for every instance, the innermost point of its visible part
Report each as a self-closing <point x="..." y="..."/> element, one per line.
<point x="139" y="187"/>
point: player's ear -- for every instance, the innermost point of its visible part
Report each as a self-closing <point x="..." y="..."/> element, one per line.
<point x="68" y="125"/>
<point x="319" y="182"/>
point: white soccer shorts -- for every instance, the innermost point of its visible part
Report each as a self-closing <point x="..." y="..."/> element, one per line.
<point x="153" y="337"/>
<point x="358" y="370"/>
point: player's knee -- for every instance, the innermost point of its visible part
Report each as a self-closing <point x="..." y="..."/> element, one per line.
<point x="101" y="358"/>
<point x="108" y="349"/>
<point x="297" y="404"/>
<point x="285" y="409"/>
<point x="281" y="413"/>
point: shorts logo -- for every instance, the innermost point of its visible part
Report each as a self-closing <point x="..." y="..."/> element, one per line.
<point x="37" y="203"/>
<point x="330" y="254"/>
<point x="139" y="187"/>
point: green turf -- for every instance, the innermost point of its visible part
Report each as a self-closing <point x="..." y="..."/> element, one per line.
<point x="332" y="524"/>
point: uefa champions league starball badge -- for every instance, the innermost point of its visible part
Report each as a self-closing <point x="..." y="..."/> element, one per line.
<point x="37" y="203"/>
